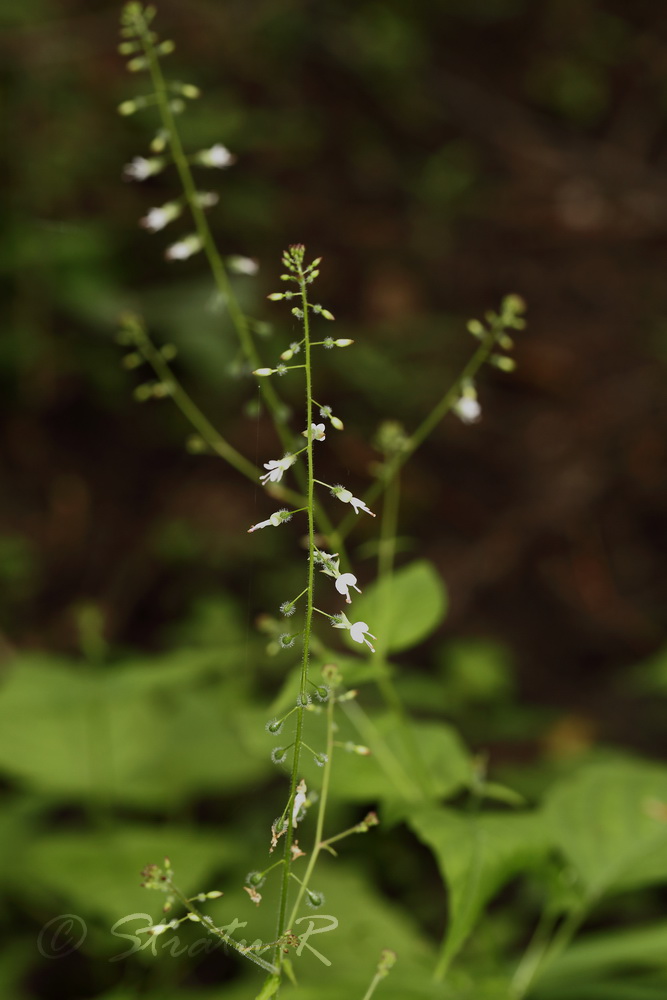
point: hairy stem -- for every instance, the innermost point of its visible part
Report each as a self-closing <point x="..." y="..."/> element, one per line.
<point x="321" y="811"/>
<point x="303" y="682"/>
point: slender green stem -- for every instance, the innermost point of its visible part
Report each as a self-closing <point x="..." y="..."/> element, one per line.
<point x="373" y="985"/>
<point x="417" y="438"/>
<point x="541" y="954"/>
<point x="189" y="408"/>
<point x="303" y="681"/>
<point x="531" y="959"/>
<point x="219" y="933"/>
<point x="182" y="165"/>
<point x="223" y="285"/>
<point x="385" y="564"/>
<point x="321" y="811"/>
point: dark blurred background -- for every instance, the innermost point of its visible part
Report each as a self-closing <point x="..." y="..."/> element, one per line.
<point x="438" y="155"/>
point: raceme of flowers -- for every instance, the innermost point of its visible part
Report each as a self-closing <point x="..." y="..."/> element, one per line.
<point x="344" y="582"/>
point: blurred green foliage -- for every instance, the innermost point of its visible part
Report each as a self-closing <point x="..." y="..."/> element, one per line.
<point x="372" y="131"/>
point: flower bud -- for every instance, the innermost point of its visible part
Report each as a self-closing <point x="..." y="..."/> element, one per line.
<point x="137" y="63"/>
<point x="132" y="360"/>
<point x="504" y="364"/>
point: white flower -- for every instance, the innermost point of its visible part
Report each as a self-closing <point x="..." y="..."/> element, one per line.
<point x="319" y="432"/>
<point x="468" y="409"/>
<point x="299" y="801"/>
<point x="184" y="248"/>
<point x="242" y="265"/>
<point x="346" y="497"/>
<point x="216" y="156"/>
<point x="206" y="199"/>
<point x="274" y="520"/>
<point x="140" y="168"/>
<point x="358" y="630"/>
<point x="276" y="468"/>
<point x="158" y="218"/>
<point x="343" y="584"/>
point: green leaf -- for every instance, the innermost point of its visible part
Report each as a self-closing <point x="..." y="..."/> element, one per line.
<point x="400" y="758"/>
<point x="634" y="987"/>
<point x="152" y="733"/>
<point x="269" y="989"/>
<point x="609" y="954"/>
<point x="477" y="855"/>
<point x="609" y="821"/>
<point x="404" y="609"/>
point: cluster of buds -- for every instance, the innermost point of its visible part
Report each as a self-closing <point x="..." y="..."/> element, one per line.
<point x="494" y="331"/>
<point x="160" y="879"/>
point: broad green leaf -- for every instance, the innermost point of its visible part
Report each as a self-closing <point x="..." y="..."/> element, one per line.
<point x="148" y="734"/>
<point x="425" y="755"/>
<point x="475" y="671"/>
<point x="610" y="953"/>
<point x="478" y="853"/>
<point x="404" y="609"/>
<point x="609" y="820"/>
<point x="19" y="816"/>
<point x="633" y="987"/>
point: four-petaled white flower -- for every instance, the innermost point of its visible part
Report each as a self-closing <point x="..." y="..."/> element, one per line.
<point x="468" y="409"/>
<point x="140" y="168"/>
<point x="346" y="497"/>
<point x="216" y="156"/>
<point x="319" y="432"/>
<point x="158" y="218"/>
<point x="343" y="584"/>
<point x="274" y="520"/>
<point x="276" y="467"/>
<point x="358" y="630"/>
<point x="184" y="248"/>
